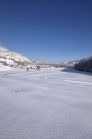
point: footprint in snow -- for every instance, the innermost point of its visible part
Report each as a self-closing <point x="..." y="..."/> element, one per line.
<point x="16" y="91"/>
<point x="42" y="87"/>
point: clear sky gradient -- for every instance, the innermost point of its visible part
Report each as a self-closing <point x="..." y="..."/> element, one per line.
<point x="47" y="30"/>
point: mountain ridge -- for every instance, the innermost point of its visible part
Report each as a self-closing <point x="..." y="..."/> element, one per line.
<point x="13" y="59"/>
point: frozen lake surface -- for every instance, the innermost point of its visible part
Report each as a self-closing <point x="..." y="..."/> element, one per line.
<point x="46" y="104"/>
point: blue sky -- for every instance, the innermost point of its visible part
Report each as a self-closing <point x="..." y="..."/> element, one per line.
<point x="47" y="30"/>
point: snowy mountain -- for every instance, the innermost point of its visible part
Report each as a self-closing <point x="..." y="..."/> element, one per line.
<point x="73" y="63"/>
<point x="12" y="58"/>
<point x="17" y="60"/>
<point x="6" y="54"/>
<point x="70" y="64"/>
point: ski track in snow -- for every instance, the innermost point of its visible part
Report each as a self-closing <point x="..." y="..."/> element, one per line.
<point x="77" y="82"/>
<point x="45" y="104"/>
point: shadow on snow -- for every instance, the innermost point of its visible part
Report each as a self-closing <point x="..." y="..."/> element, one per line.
<point x="76" y="71"/>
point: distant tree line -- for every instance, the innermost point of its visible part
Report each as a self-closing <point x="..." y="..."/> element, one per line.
<point x="84" y="65"/>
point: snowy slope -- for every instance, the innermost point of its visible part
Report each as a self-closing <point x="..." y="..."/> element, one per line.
<point x="47" y="104"/>
<point x="9" y="62"/>
<point x="2" y="67"/>
<point x="16" y="60"/>
<point x="5" y="53"/>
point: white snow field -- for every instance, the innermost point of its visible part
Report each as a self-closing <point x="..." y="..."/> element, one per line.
<point x="2" y="67"/>
<point x="47" y="104"/>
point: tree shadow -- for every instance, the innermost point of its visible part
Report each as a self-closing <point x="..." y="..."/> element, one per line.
<point x="72" y="70"/>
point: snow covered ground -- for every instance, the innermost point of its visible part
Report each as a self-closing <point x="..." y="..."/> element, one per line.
<point x="2" y="67"/>
<point x="46" y="104"/>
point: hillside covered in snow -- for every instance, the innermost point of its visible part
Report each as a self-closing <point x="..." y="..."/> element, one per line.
<point x="12" y="58"/>
<point x="16" y="60"/>
<point x="2" y="67"/>
<point x="84" y="65"/>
